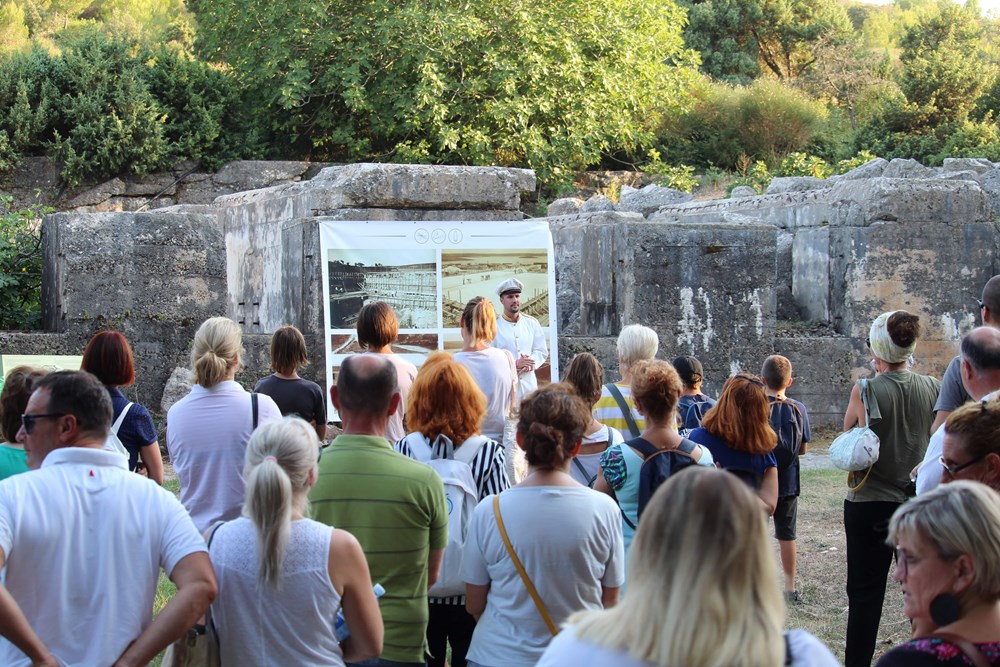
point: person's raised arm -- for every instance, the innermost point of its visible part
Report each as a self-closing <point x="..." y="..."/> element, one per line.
<point x="349" y="573"/>
<point x="15" y="628"/>
<point x="855" y="414"/>
<point x="196" y="588"/>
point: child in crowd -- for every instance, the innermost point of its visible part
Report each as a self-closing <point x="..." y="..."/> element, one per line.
<point x="790" y="421"/>
<point x="693" y="404"/>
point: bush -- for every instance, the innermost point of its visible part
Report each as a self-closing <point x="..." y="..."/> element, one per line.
<point x="111" y="106"/>
<point x="765" y="121"/>
<point x="677" y="177"/>
<point x="801" y="164"/>
<point x="20" y="266"/>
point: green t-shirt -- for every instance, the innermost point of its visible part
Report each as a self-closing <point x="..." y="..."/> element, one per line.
<point x="13" y="460"/>
<point x="397" y="510"/>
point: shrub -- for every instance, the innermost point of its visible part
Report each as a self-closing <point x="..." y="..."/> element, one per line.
<point x="679" y="177"/>
<point x="801" y="164"/>
<point x="20" y="265"/>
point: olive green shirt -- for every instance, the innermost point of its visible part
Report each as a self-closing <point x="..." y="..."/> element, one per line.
<point x="901" y="411"/>
<point x="397" y="510"/>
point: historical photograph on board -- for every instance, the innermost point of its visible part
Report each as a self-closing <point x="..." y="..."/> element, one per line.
<point x="404" y="279"/>
<point x="411" y="343"/>
<point x="469" y="273"/>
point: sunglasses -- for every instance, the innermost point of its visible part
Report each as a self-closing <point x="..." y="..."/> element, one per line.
<point x="28" y="421"/>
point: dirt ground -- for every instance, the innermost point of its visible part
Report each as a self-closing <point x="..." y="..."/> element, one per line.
<point x="822" y="564"/>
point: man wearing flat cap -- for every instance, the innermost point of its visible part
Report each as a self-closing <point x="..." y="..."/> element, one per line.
<point x="521" y="335"/>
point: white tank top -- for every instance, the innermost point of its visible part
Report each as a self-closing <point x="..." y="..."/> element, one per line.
<point x="290" y="625"/>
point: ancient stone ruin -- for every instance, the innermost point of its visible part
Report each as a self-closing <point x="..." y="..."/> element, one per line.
<point x="801" y="270"/>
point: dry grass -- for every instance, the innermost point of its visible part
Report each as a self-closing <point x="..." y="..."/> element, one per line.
<point x="822" y="566"/>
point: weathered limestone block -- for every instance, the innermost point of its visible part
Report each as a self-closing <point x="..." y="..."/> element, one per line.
<point x="419" y="214"/>
<point x="964" y="175"/>
<point x="178" y="386"/>
<point x="904" y="168"/>
<point x="907" y="200"/>
<point x="565" y="206"/>
<point x="990" y="183"/>
<point x="650" y="198"/>
<point x="151" y="185"/>
<point x="420" y="186"/>
<point x="795" y="184"/>
<point x="871" y="169"/>
<point x="980" y="165"/>
<point x="98" y="193"/>
<point x="811" y="274"/>
<point x="789" y="210"/>
<point x="824" y="368"/>
<point x="934" y="270"/>
<point x="596" y="204"/>
<point x="786" y="307"/>
<point x="254" y="174"/>
<point x="742" y="191"/>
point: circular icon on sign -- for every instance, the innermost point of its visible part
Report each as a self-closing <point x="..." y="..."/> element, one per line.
<point x="421" y="235"/>
<point x="438" y="236"/>
<point x="455" y="236"/>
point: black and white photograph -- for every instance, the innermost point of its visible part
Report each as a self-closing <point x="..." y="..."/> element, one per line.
<point x="404" y="279"/>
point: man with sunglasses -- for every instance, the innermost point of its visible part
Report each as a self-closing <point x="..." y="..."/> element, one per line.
<point x="83" y="541"/>
<point x="979" y="367"/>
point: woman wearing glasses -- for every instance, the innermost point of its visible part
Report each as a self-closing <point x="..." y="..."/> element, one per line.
<point x="948" y="566"/>
<point x="737" y="431"/>
<point x="900" y="411"/>
<point x="971" y="448"/>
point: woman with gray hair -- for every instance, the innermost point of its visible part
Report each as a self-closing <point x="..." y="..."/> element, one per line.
<point x="900" y="406"/>
<point x="616" y="407"/>
<point x="283" y="577"/>
<point x="948" y="565"/>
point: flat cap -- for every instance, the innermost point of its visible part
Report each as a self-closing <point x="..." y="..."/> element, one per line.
<point x="510" y="285"/>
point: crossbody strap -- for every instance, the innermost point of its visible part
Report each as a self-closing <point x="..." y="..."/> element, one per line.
<point x="616" y="393"/>
<point x="118" y="422"/>
<point x="253" y="405"/>
<point x="520" y="570"/>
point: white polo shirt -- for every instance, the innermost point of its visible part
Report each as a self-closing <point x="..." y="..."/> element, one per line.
<point x="84" y="541"/>
<point x="523" y="337"/>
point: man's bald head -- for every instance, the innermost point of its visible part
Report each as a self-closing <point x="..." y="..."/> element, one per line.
<point x="981" y="348"/>
<point x="366" y="384"/>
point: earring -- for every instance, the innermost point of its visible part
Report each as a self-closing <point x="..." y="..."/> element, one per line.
<point x="945" y="609"/>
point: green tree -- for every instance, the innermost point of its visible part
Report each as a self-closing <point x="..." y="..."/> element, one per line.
<point x="740" y="38"/>
<point x="13" y="31"/>
<point x="546" y="84"/>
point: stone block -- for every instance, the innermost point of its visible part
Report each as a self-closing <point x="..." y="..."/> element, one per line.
<point x="419" y="186"/>
<point x="596" y="204"/>
<point x="811" y="273"/>
<point x="648" y="199"/>
<point x="980" y="165"/>
<point x="907" y="200"/>
<point x="824" y="370"/>
<point x="254" y="174"/>
<point x="904" y="168"/>
<point x="419" y="214"/>
<point x="98" y="194"/>
<point x="789" y="210"/>
<point x="871" y="169"/>
<point x="178" y="386"/>
<point x="964" y="175"/>
<point x="741" y="191"/>
<point x="786" y="307"/>
<point x="990" y="183"/>
<point x="565" y="206"/>
<point x="603" y="348"/>
<point x="152" y="185"/>
<point x="795" y="184"/>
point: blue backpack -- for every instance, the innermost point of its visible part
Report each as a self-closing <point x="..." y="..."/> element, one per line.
<point x="657" y="466"/>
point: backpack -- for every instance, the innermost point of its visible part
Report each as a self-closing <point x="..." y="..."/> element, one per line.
<point x="657" y="466"/>
<point x="787" y="421"/>
<point x="691" y="413"/>
<point x="454" y="466"/>
<point x="113" y="444"/>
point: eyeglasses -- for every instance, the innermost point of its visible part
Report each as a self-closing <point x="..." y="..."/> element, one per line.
<point x="868" y="343"/>
<point x="981" y="304"/>
<point x="28" y="421"/>
<point x="952" y="470"/>
<point x="749" y="378"/>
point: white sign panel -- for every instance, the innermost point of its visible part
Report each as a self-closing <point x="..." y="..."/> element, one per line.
<point x="427" y="272"/>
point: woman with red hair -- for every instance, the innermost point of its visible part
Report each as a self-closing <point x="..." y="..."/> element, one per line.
<point x="108" y="357"/>
<point x="737" y="430"/>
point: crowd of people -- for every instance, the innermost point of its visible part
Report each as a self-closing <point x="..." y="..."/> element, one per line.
<point x="466" y="514"/>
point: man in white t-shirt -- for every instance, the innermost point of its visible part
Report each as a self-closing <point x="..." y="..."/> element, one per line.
<point x="521" y="335"/>
<point x="83" y="540"/>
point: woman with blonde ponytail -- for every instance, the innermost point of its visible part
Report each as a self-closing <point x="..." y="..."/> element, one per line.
<point x="703" y="589"/>
<point x="283" y="577"/>
<point x="207" y="430"/>
<point x="567" y="537"/>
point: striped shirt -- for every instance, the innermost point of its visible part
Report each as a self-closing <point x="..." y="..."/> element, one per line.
<point x="491" y="478"/>
<point x="607" y="412"/>
<point x="397" y="510"/>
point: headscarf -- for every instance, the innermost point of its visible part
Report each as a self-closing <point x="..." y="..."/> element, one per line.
<point x="882" y="345"/>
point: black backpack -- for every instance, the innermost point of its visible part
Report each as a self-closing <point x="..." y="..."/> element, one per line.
<point x="657" y="466"/>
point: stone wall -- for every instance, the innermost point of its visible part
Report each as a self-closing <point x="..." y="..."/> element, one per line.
<point x="800" y="271"/>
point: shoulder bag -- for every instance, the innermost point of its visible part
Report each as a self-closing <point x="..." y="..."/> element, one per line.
<point x="858" y="448"/>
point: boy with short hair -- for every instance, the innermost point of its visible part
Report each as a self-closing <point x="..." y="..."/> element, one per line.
<point x="790" y="421"/>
